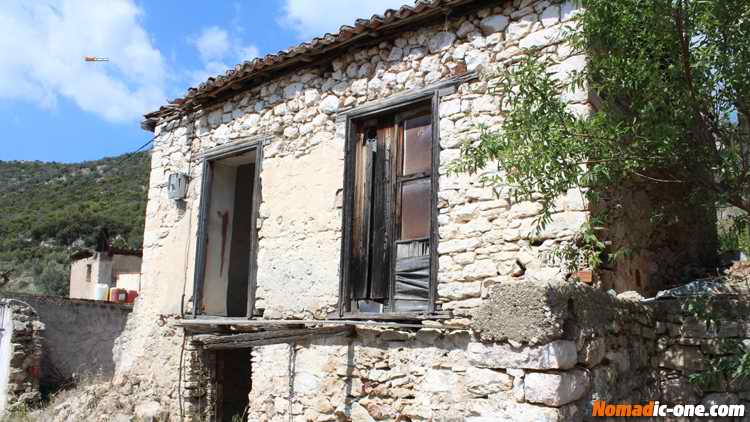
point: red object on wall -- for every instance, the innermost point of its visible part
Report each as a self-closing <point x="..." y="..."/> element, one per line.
<point x="118" y="295"/>
<point x="131" y="295"/>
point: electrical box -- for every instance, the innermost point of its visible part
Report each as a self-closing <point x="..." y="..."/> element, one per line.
<point x="177" y="186"/>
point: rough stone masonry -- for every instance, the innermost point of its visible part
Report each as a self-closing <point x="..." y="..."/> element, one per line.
<point x="517" y="345"/>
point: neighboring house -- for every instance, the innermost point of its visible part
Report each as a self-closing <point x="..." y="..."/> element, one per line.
<point x="324" y="265"/>
<point x="113" y="267"/>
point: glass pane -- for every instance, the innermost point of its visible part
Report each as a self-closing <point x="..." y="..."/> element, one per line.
<point x="417" y="145"/>
<point x="415" y="209"/>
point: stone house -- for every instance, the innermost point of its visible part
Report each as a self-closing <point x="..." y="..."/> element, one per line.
<point x="323" y="264"/>
<point x="113" y="267"/>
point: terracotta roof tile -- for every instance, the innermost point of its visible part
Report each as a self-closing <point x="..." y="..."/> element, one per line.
<point x="345" y="33"/>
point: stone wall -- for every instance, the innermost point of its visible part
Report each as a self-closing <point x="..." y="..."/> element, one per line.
<point x="492" y="360"/>
<point x="695" y="335"/>
<point x="590" y="345"/>
<point x="483" y="234"/>
<point x="79" y="338"/>
<point x="301" y="115"/>
<point x="671" y="240"/>
<point x="20" y="356"/>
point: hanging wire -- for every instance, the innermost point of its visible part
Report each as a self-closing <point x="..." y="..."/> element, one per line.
<point x="132" y="154"/>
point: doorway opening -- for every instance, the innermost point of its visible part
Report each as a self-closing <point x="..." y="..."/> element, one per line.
<point x="229" y="235"/>
<point x="233" y="384"/>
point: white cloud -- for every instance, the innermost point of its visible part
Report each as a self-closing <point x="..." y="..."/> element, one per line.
<point x="312" y="18"/>
<point x="44" y="43"/>
<point x="212" y="43"/>
<point x="247" y="52"/>
<point x="219" y="50"/>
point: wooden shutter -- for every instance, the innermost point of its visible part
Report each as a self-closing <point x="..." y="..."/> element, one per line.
<point x="379" y="244"/>
<point x="390" y="259"/>
<point x="359" y="281"/>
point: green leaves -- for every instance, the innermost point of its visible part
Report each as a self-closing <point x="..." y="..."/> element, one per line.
<point x="669" y="82"/>
<point x="665" y="78"/>
<point x="49" y="207"/>
<point x="540" y="147"/>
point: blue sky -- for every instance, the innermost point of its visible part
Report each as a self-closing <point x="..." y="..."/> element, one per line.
<point x="56" y="107"/>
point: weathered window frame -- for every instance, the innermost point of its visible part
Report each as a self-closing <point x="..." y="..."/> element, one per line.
<point x="400" y="102"/>
<point x="238" y="147"/>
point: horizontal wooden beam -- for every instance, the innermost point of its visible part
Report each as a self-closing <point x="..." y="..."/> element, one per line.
<point x="218" y="322"/>
<point x="260" y="335"/>
<point x="398" y="316"/>
<point x="264" y="338"/>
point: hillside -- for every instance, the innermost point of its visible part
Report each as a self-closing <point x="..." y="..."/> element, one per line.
<point x="49" y="209"/>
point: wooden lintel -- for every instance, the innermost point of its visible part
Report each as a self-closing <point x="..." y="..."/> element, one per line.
<point x="398" y="316"/>
<point x="259" y="335"/>
<point x="219" y="322"/>
<point x="244" y="341"/>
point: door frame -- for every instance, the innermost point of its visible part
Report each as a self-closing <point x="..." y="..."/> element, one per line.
<point x="238" y="147"/>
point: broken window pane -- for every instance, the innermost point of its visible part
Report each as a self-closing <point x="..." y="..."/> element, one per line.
<point x="415" y="209"/>
<point x="417" y="145"/>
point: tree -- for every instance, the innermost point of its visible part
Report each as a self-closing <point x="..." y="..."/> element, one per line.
<point x="670" y="85"/>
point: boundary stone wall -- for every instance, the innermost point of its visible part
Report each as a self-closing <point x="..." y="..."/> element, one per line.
<point x="694" y="335"/>
<point x="79" y="336"/>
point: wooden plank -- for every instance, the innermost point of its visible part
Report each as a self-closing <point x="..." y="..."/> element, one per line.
<point x="215" y="339"/>
<point x="341" y="331"/>
<point x="238" y="146"/>
<point x="218" y="322"/>
<point x="380" y="204"/>
<point x="434" y="233"/>
<point x="257" y="200"/>
<point x="344" y="302"/>
<point x="200" y="244"/>
<point x="362" y="278"/>
<point x="400" y="316"/>
<point x="394" y="225"/>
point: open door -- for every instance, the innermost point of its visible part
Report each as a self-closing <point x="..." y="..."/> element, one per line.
<point x="226" y="277"/>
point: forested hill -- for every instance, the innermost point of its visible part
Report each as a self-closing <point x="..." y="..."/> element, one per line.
<point x="49" y="209"/>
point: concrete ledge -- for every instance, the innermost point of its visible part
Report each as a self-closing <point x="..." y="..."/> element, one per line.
<point x="533" y="313"/>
